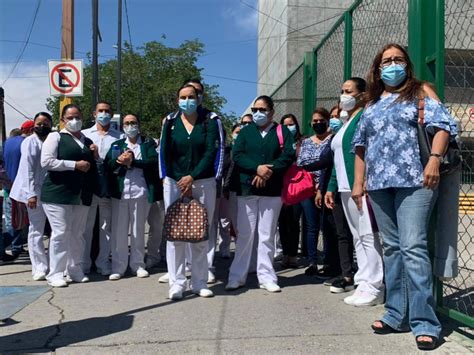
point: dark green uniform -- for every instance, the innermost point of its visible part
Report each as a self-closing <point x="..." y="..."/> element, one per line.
<point x="71" y="187"/>
<point x="149" y="163"/>
<point x="189" y="154"/>
<point x="251" y="150"/>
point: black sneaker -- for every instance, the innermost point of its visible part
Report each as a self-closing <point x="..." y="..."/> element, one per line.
<point x="311" y="270"/>
<point x="330" y="281"/>
<point x="342" y="285"/>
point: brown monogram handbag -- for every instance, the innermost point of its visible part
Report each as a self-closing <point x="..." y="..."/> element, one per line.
<point x="186" y="221"/>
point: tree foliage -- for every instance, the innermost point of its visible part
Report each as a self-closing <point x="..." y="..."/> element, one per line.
<point x="151" y="76"/>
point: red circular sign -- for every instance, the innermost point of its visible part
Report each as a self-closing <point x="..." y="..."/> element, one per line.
<point x="61" y="74"/>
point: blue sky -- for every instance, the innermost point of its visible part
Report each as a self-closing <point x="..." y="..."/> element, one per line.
<point x="228" y="28"/>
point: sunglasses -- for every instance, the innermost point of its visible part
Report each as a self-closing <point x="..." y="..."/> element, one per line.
<point x="260" y="109"/>
<point x="130" y="123"/>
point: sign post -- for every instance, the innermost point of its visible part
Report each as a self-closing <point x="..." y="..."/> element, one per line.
<point x="67" y="45"/>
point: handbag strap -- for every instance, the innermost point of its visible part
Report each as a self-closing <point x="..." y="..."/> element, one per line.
<point x="280" y="136"/>
<point x="421" y="110"/>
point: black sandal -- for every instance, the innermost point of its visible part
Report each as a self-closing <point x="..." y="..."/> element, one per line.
<point x="426" y="345"/>
<point x="384" y="329"/>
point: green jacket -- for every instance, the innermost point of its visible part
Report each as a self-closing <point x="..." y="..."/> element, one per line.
<point x="148" y="162"/>
<point x="349" y="156"/>
<point x="251" y="150"/>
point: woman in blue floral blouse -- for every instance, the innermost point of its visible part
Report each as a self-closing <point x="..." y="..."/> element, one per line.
<point x="402" y="192"/>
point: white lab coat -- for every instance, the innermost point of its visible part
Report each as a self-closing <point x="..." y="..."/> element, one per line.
<point x="27" y="184"/>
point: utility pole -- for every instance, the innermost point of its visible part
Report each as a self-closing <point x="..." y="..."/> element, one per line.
<point x="119" y="59"/>
<point x="3" y="132"/>
<point x="95" y="65"/>
<point x="67" y="43"/>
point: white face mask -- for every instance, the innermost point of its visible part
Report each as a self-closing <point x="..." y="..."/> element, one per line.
<point x="348" y="102"/>
<point x="74" y="125"/>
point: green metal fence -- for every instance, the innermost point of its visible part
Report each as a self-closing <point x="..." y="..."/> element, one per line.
<point x="439" y="37"/>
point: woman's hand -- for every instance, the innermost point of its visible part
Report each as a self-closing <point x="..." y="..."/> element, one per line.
<point x="32" y="202"/>
<point x="357" y="195"/>
<point x="318" y="200"/>
<point x="329" y="200"/>
<point x="265" y="171"/>
<point x="83" y="165"/>
<point x="258" y="182"/>
<point x="185" y="184"/>
<point x="431" y="173"/>
<point x="125" y="158"/>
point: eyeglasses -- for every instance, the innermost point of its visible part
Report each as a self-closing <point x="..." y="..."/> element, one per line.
<point x="389" y="61"/>
<point x="260" y="109"/>
<point x="130" y="124"/>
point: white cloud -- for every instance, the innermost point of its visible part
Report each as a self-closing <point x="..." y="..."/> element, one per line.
<point x="244" y="17"/>
<point x="26" y="90"/>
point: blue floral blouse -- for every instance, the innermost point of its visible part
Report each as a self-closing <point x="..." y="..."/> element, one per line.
<point x="311" y="152"/>
<point x="387" y="130"/>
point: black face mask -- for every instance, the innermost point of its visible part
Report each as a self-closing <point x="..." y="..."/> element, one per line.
<point x="42" y="131"/>
<point x="320" y="127"/>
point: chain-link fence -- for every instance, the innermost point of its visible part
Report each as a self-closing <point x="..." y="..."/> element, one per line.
<point x="348" y="49"/>
<point x="288" y="98"/>
<point x="458" y="294"/>
<point x="374" y="24"/>
<point x="330" y="68"/>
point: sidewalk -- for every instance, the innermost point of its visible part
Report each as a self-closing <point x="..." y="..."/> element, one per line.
<point x="133" y="316"/>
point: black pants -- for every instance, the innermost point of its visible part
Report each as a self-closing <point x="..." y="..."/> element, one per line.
<point x="289" y="227"/>
<point x="331" y="257"/>
<point x="345" y="240"/>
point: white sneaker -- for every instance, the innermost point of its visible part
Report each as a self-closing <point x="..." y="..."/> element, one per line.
<point x="115" y="277"/>
<point x="141" y="272"/>
<point x="233" y="285"/>
<point x="175" y="295"/>
<point x="39" y="276"/>
<point x="164" y="279"/>
<point x="368" y="299"/>
<point x="82" y="279"/>
<point x="211" y="278"/>
<point x="352" y="298"/>
<point x="204" y="292"/>
<point x="57" y="283"/>
<point x="271" y="287"/>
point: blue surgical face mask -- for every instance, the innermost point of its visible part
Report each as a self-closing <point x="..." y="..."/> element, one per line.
<point x="131" y="131"/>
<point x="292" y="129"/>
<point x="188" y="106"/>
<point x="335" y="124"/>
<point x="103" y="118"/>
<point x="394" y="75"/>
<point x="260" y="118"/>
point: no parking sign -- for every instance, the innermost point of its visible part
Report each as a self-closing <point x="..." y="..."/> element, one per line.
<point x="65" y="77"/>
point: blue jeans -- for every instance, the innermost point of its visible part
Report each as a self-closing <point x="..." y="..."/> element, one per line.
<point x="313" y="224"/>
<point x="10" y="236"/>
<point x="402" y="216"/>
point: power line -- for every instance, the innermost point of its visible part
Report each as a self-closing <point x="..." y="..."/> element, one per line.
<point x="234" y="79"/>
<point x="13" y="107"/>
<point x="16" y="103"/>
<point x="128" y="25"/>
<point x="20" y="54"/>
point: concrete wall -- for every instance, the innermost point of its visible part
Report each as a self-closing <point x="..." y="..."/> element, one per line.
<point x="288" y="29"/>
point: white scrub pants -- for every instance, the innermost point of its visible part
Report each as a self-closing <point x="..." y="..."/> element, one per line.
<point x="367" y="246"/>
<point x="204" y="191"/>
<point x="105" y="233"/>
<point x="66" y="244"/>
<point x="38" y="257"/>
<point x="257" y="218"/>
<point x="155" y="219"/>
<point x="128" y="215"/>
